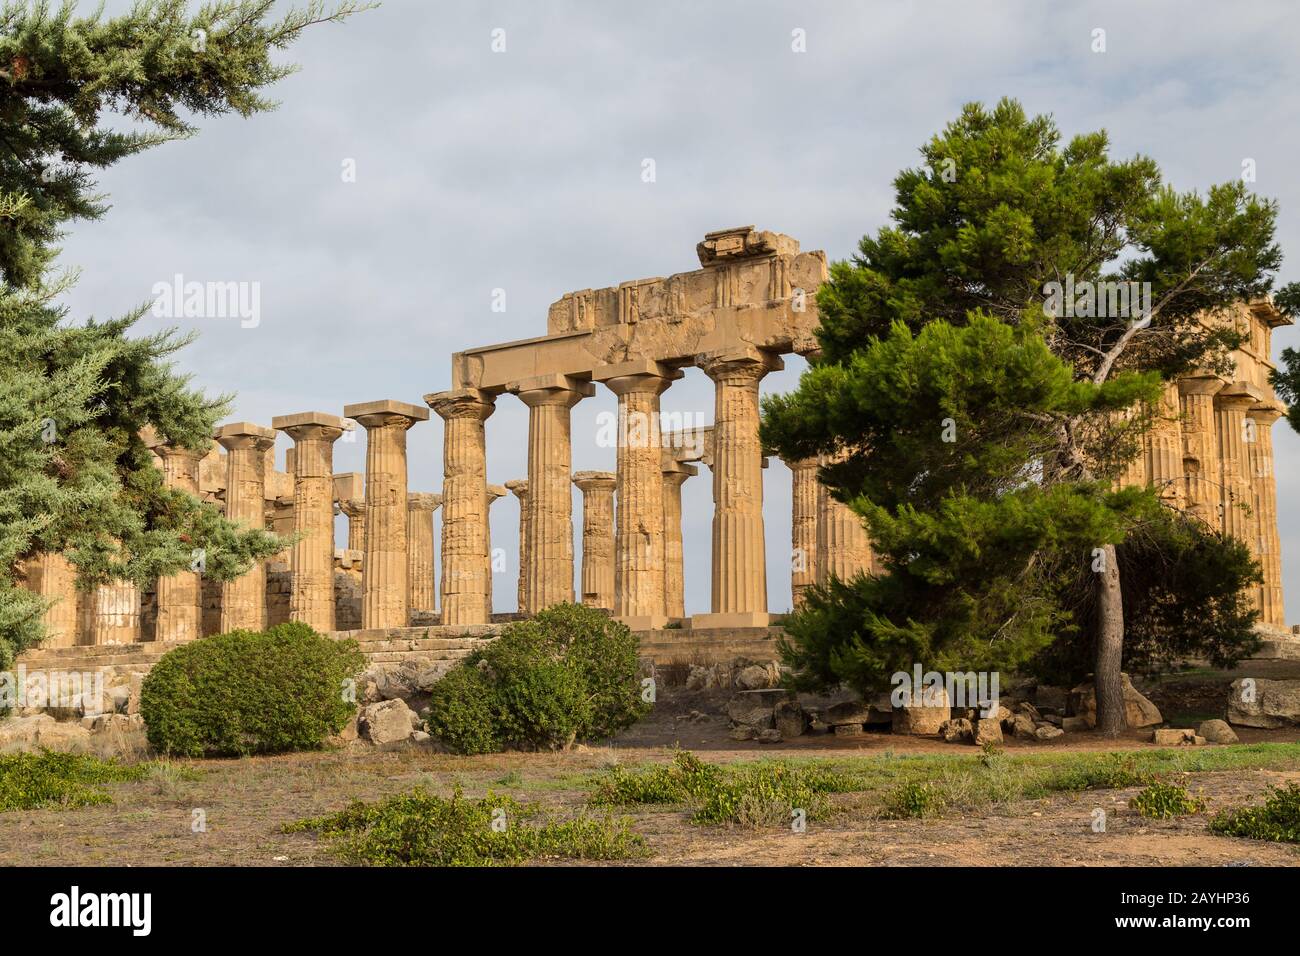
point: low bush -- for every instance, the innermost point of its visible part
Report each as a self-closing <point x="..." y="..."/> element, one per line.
<point x="422" y="829"/>
<point x="250" y="692"/>
<point x="913" y="800"/>
<point x="569" y="673"/>
<point x="1277" y="820"/>
<point x="31" y="781"/>
<point x="1163" y="801"/>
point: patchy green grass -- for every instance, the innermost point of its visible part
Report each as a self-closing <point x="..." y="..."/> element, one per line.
<point x="31" y="781"/>
<point x="1277" y="820"/>
<point x="913" y="785"/>
<point x="422" y="829"/>
<point x="1164" y="801"/>
<point x="768" y="793"/>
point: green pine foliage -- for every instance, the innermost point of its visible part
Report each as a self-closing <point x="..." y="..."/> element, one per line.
<point x="75" y="395"/>
<point x="978" y="422"/>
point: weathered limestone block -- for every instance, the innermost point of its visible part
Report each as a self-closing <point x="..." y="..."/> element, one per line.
<point x="387" y="722"/>
<point x="926" y="716"/>
<point x="311" y="598"/>
<point x="1217" y="732"/>
<point x="1138" y="711"/>
<point x="384" y="572"/>
<point x="597" y="537"/>
<point x="1257" y="702"/>
<point x="243" y="600"/>
<point x="465" y="564"/>
<point x="116" y="613"/>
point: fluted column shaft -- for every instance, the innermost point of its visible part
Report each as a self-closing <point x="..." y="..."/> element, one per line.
<point x="739" y="548"/>
<point x="1164" y="452"/>
<point x="419" y="535"/>
<point x="116" y="614"/>
<point x="57" y="583"/>
<point x="243" y="600"/>
<point x="493" y="493"/>
<point x="384" y="568"/>
<point x="843" y="546"/>
<point x="597" y="537"/>
<point x="311" y="598"/>
<point x="1200" y="447"/>
<point x="180" y="595"/>
<point x="355" y="509"/>
<point x="550" y="492"/>
<point x="1235" y="490"/>
<point x="803" y="527"/>
<point x="465" y="566"/>
<point x="519" y="488"/>
<point x="674" y="558"/>
<point x="639" y="513"/>
<point x="1264" y="484"/>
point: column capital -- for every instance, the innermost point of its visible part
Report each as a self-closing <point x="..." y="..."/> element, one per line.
<point x="743" y="363"/>
<point x="353" y="507"/>
<point x="518" y="487"/>
<point x="1199" y="384"/>
<point x="678" y="472"/>
<point x="1265" y="414"/>
<point x="165" y="449"/>
<point x="593" y="480"/>
<point x="423" y="501"/>
<point x="637" y="376"/>
<point x="462" y="403"/>
<point x="237" y="436"/>
<point x="494" y="492"/>
<point x="385" y="412"/>
<point x="311" y="425"/>
<point x="551" y="390"/>
<point x="1238" y="396"/>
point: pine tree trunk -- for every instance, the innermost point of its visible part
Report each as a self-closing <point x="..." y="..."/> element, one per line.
<point x="1107" y="683"/>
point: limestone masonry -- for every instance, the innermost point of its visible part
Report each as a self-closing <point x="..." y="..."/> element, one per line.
<point x="752" y="300"/>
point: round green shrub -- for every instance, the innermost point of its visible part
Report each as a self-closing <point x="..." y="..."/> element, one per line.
<point x="249" y="692"/>
<point x="569" y="673"/>
<point x="463" y="712"/>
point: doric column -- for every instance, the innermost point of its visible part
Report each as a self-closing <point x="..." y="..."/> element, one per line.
<point x="675" y="476"/>
<point x="180" y="598"/>
<point x="597" y="537"/>
<point x="739" y="549"/>
<point x="116" y="613"/>
<point x="243" y="600"/>
<point x="383" y="569"/>
<point x="1200" y="447"/>
<point x="311" y="599"/>
<point x="1230" y="405"/>
<point x="419" y="535"/>
<point x="550" y="398"/>
<point x="803" y="527"/>
<point x="843" y="547"/>
<point x="493" y="493"/>
<point x="519" y="488"/>
<point x="1259" y="452"/>
<point x="639" y="517"/>
<point x="465" y="564"/>
<point x="56" y="582"/>
<point x="1164" y="451"/>
<point x="355" y="509"/>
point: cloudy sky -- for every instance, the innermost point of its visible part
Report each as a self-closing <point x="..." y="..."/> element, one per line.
<point x="521" y="170"/>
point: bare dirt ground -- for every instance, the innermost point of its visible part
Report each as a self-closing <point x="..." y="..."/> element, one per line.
<point x="247" y="801"/>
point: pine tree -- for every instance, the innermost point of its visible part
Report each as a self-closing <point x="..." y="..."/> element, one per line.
<point x="997" y="212"/>
<point x="75" y="397"/>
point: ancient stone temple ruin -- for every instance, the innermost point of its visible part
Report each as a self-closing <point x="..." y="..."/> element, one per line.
<point x="751" y="301"/>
